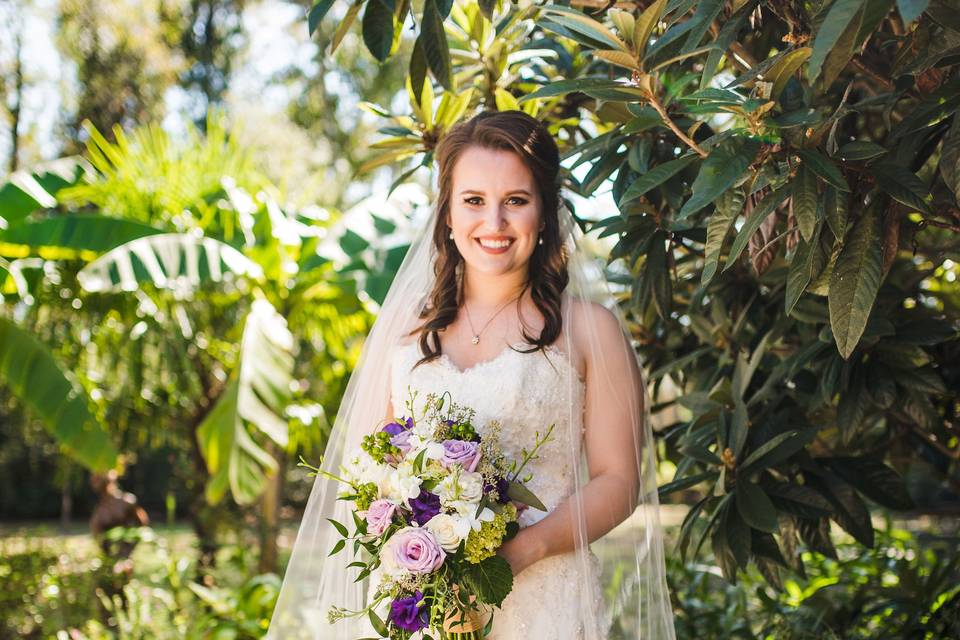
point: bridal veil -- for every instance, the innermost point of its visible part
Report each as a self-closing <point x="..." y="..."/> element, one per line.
<point x="631" y="555"/>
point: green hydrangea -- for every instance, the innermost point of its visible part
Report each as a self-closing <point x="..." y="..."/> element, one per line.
<point x="484" y="543"/>
<point x="366" y="493"/>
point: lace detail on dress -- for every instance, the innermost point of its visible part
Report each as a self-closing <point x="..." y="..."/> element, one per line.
<point x="526" y="392"/>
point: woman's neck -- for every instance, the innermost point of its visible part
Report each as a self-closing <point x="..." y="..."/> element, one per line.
<point x="485" y="290"/>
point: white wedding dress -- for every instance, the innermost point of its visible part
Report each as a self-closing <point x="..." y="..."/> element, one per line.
<point x="554" y="598"/>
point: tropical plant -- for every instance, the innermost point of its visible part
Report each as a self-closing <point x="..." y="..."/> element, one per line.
<point x="824" y="138"/>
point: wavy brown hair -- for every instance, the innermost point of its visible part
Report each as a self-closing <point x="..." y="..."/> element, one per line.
<point x="547" y="275"/>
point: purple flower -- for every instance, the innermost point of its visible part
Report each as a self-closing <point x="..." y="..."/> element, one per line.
<point x="462" y="452"/>
<point x="416" y="550"/>
<point x="405" y="613"/>
<point x="395" y="428"/>
<point x="501" y="486"/>
<point x="425" y="506"/>
<point x="379" y="516"/>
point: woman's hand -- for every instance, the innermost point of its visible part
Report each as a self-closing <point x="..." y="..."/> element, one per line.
<point x="521" y="551"/>
<point x="457" y="621"/>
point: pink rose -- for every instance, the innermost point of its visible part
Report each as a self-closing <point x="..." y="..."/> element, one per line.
<point x="462" y="452"/>
<point x="416" y="550"/>
<point x="379" y="516"/>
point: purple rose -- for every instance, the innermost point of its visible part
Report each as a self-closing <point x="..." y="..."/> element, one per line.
<point x="425" y="506"/>
<point x="462" y="452"/>
<point x="416" y="550"/>
<point x="379" y="516"/>
<point x="406" y="614"/>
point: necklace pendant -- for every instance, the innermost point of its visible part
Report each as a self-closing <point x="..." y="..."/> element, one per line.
<point x="475" y="339"/>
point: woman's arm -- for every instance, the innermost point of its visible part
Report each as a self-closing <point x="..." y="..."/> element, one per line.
<point x="613" y="411"/>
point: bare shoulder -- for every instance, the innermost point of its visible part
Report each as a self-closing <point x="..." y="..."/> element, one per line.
<point x="593" y="321"/>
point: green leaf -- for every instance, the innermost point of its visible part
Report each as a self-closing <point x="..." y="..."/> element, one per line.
<point x="805" y="198"/>
<point x="777" y="449"/>
<point x="910" y="10"/>
<point x="342" y="530"/>
<point x="81" y="231"/>
<point x="316" y="15"/>
<point x="435" y="46"/>
<point x="823" y="168"/>
<point x="29" y="369"/>
<point x="655" y="177"/>
<point x="725" y="164"/>
<point x="901" y="184"/>
<point x="377" y="28"/>
<point x="835" y="210"/>
<point x="873" y="479"/>
<point x="855" y="281"/>
<point x="564" y="87"/>
<point x="491" y="579"/>
<point x="726" y="209"/>
<point x="683" y="483"/>
<point x="784" y="69"/>
<point x="950" y="158"/>
<point x="520" y="493"/>
<point x="345" y="25"/>
<point x="801" y="270"/>
<point x="375" y="620"/>
<point x="168" y="260"/>
<point x="644" y="25"/>
<point x="860" y="150"/>
<point x="738" y="537"/>
<point x="577" y="22"/>
<point x="757" y="216"/>
<point x="755" y="507"/>
<point x="836" y="21"/>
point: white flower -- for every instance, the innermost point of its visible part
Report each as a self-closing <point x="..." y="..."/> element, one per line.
<point x="444" y="528"/>
<point x="419" y="442"/>
<point x="359" y="467"/>
<point x="400" y="484"/>
<point x="466" y="519"/>
<point x="471" y="486"/>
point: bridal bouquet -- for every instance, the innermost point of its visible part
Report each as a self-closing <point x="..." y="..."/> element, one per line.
<point x="433" y="501"/>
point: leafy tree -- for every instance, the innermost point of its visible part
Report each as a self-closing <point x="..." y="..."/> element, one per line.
<point x="817" y="345"/>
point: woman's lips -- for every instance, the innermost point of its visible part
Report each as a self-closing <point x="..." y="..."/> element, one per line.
<point x="498" y="249"/>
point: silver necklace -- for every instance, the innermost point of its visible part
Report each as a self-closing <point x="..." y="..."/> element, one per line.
<point x="476" y="334"/>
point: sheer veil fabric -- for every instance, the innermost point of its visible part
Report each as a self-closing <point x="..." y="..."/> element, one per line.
<point x="631" y="554"/>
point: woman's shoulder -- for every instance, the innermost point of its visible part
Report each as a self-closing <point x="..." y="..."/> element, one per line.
<point x="592" y="319"/>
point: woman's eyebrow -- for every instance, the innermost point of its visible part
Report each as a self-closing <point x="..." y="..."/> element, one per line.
<point x="480" y="193"/>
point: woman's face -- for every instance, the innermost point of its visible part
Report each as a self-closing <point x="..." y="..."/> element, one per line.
<point x="494" y="210"/>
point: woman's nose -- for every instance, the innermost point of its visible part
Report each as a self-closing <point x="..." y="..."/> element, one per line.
<point x="495" y="217"/>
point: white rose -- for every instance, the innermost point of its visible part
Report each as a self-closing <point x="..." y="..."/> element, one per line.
<point x="471" y="486"/>
<point x="444" y="528"/>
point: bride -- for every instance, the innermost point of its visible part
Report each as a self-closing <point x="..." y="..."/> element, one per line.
<point x="497" y="304"/>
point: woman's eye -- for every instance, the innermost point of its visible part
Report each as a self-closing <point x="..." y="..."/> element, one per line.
<point x="471" y="200"/>
<point x="519" y="201"/>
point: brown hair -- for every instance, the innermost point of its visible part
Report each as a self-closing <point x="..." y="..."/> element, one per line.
<point x="547" y="275"/>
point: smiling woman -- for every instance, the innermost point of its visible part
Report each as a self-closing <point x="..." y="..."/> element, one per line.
<point x="496" y="308"/>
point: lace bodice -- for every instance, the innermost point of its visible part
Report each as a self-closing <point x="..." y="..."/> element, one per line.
<point x="526" y="392"/>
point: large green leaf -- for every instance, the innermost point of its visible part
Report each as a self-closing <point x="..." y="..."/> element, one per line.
<point x="801" y="270"/>
<point x="805" y="198"/>
<point x="81" y="231"/>
<point x="169" y="260"/>
<point x="435" y="46"/>
<point x="377" y="28"/>
<point x="873" y="479"/>
<point x="756" y="218"/>
<point x="726" y="209"/>
<point x="29" y="191"/>
<point x="725" y="164"/>
<point x="901" y="184"/>
<point x="855" y="281"/>
<point x="755" y="507"/>
<point x="257" y="395"/>
<point x="491" y="579"/>
<point x="655" y="177"/>
<point x="34" y="376"/>
<point x="836" y="21"/>
<point x="823" y="168"/>
<point x="576" y="23"/>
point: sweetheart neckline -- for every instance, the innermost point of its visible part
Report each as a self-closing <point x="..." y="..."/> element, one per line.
<point x="445" y="359"/>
